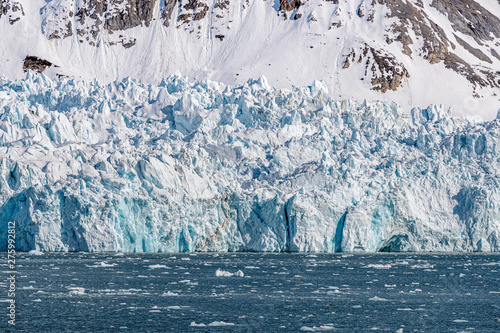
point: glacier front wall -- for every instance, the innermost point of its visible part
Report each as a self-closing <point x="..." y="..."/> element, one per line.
<point x="202" y="166"/>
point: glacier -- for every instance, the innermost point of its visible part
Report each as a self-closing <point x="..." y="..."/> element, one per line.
<point x="202" y="166"/>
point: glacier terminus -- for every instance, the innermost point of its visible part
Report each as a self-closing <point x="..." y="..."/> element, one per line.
<point x="186" y="166"/>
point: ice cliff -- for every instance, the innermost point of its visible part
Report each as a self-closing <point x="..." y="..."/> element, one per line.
<point x="184" y="166"/>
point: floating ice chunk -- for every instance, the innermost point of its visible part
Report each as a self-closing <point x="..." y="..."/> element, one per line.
<point x="157" y="266"/>
<point x="419" y="266"/>
<point x="36" y="253"/>
<point x="103" y="264"/>
<point x="76" y="291"/>
<point x="220" y="272"/>
<point x="460" y="321"/>
<point x="379" y="266"/>
<point x="326" y="327"/>
<point x="220" y="323"/>
<point x="170" y="293"/>
<point x="378" y="299"/>
<point x="177" y="307"/>
<point x="194" y="324"/>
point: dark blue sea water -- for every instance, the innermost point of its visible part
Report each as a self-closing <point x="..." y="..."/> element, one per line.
<point x="278" y="293"/>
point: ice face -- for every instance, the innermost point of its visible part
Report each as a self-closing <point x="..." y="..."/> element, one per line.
<point x="202" y="166"/>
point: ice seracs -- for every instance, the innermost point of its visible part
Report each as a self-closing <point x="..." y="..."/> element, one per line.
<point x="203" y="166"/>
<point x="413" y="52"/>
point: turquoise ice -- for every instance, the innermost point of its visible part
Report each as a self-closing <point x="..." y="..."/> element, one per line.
<point x="183" y="166"/>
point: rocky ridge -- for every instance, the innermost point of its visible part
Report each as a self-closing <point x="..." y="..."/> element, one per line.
<point x="464" y="36"/>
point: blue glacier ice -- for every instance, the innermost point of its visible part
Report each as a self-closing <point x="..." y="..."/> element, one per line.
<point x="184" y="166"/>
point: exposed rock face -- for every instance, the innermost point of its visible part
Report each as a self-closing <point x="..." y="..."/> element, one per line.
<point x="12" y="9"/>
<point x="467" y="17"/>
<point x="470" y="18"/>
<point x="193" y="10"/>
<point x="476" y="52"/>
<point x="288" y="5"/>
<point x="167" y="11"/>
<point x="478" y="76"/>
<point x="383" y="70"/>
<point x="126" y="14"/>
<point x="35" y="64"/>
<point x="462" y="35"/>
<point x="59" y="20"/>
<point x="92" y="16"/>
<point x="413" y="18"/>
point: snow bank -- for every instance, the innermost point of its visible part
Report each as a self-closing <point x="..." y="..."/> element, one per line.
<point x="183" y="166"/>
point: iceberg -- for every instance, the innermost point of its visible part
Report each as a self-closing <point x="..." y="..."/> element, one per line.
<point x="201" y="166"/>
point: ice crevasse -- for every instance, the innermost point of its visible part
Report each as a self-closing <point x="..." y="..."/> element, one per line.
<point x="184" y="166"/>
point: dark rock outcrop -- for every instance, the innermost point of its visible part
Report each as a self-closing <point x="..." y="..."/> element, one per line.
<point x="470" y="18"/>
<point x="13" y="9"/>
<point x="476" y="52"/>
<point x="35" y="64"/>
<point x="382" y="68"/>
<point x="136" y="13"/>
<point x="168" y="8"/>
<point x="467" y="17"/>
<point x="288" y="5"/>
<point x="92" y="13"/>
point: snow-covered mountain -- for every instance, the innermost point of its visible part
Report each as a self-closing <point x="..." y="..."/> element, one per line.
<point x="414" y="52"/>
<point x="203" y="166"/>
<point x="105" y="151"/>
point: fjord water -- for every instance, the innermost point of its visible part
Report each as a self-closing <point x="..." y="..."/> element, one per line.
<point x="82" y="292"/>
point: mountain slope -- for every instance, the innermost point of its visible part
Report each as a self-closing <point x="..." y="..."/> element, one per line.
<point x="414" y="52"/>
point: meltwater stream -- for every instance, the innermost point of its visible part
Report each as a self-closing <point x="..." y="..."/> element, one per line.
<point x="82" y="292"/>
